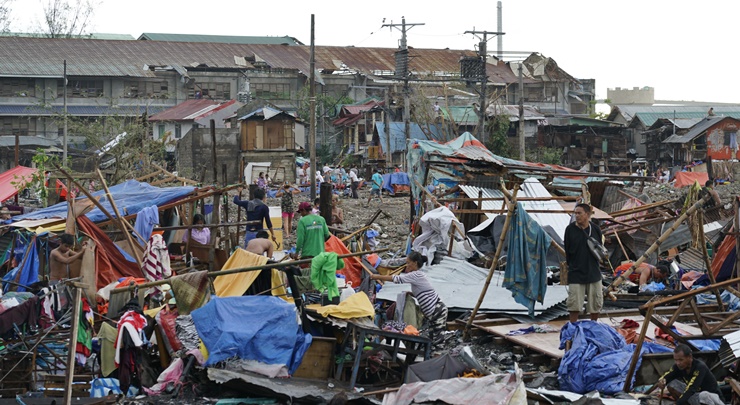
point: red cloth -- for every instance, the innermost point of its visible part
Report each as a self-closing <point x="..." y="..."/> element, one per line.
<point x="14" y="175"/>
<point x="352" y="270"/>
<point x="684" y="179"/>
<point x="110" y="264"/>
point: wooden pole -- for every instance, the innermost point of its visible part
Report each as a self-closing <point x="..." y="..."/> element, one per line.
<point x="496" y="257"/>
<point x="213" y="152"/>
<point x="70" y="372"/>
<point x="617" y="281"/>
<point x="638" y="347"/>
<point x="134" y="246"/>
<point x="215" y="218"/>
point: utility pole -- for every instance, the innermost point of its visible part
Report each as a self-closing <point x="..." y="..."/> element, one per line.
<point x="387" y="128"/>
<point x="483" y="53"/>
<point x="312" y="109"/>
<point x="64" y="139"/>
<point x="402" y="71"/>
<point x="520" y="129"/>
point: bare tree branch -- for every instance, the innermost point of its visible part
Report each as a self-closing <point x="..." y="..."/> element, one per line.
<point x="5" y="18"/>
<point x="66" y="18"/>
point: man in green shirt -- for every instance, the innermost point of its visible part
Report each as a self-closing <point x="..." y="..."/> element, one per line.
<point x="311" y="232"/>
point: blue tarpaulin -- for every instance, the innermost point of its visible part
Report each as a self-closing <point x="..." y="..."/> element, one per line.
<point x="391" y="179"/>
<point x="598" y="359"/>
<point x="526" y="263"/>
<point x="257" y="328"/>
<point x="131" y="197"/>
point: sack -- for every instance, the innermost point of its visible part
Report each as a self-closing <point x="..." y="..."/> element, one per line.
<point x="597" y="250"/>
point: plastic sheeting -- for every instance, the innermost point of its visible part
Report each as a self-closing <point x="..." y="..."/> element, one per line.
<point x="19" y="175"/>
<point x="598" y="359"/>
<point x="496" y="389"/>
<point x="391" y="180"/>
<point x="435" y="233"/>
<point x="260" y="328"/>
<point x="684" y="179"/>
<point x="131" y="197"/>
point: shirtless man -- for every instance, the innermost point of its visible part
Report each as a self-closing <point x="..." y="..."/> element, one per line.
<point x="261" y="244"/>
<point x="62" y="257"/>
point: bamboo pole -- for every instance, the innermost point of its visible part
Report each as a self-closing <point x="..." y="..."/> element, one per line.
<point x="617" y="281"/>
<point x="496" y="257"/>
<point x="134" y="246"/>
<point x="243" y="269"/>
<point x="638" y="347"/>
<point x="70" y="372"/>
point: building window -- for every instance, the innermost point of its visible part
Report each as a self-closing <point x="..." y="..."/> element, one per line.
<point x="13" y="126"/>
<point x="160" y="129"/>
<point x="731" y="139"/>
<point x="81" y="88"/>
<point x="145" y="89"/>
<point x="271" y="91"/>
<point x="213" y="91"/>
<point x="17" y="88"/>
<point x="178" y="131"/>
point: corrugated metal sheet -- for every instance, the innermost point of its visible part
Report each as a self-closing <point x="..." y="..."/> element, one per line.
<point x="187" y="110"/>
<point x="529" y="188"/>
<point x="88" y="57"/>
<point x="695" y="131"/>
<point x="729" y="349"/>
<point x="649" y="114"/>
<point x="398" y="134"/>
<point x="225" y="39"/>
<point x="459" y="284"/>
<point x="25" y="141"/>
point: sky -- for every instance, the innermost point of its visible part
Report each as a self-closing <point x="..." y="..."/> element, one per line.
<point x="682" y="49"/>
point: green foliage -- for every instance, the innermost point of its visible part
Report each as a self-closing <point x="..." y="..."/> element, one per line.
<point x="324" y="102"/>
<point x="551" y="156"/>
<point x="497" y="130"/>
<point x="37" y="181"/>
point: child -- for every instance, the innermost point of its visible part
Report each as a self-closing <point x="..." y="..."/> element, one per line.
<point x="287" y="206"/>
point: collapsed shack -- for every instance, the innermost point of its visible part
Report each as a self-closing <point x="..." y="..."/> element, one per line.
<point x="217" y="318"/>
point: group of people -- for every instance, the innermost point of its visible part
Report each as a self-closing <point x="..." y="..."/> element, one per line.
<point x="689" y="380"/>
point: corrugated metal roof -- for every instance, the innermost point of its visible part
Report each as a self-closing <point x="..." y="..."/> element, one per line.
<point x="459" y="283"/>
<point x="530" y="113"/>
<point x="94" y="35"/>
<point x="43" y="57"/>
<point x="224" y="39"/>
<point x="529" y="188"/>
<point x="187" y="110"/>
<point x="696" y="130"/>
<point x="77" y="110"/>
<point x="648" y="114"/>
<point x="265" y="112"/>
<point x="23" y="141"/>
<point x="729" y="350"/>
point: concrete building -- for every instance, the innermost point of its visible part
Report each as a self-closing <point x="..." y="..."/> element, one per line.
<point x="636" y="95"/>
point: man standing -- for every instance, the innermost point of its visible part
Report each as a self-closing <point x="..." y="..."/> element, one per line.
<point x="62" y="257"/>
<point x="257" y="212"/>
<point x="355" y="182"/>
<point x="584" y="276"/>
<point x="375" y="187"/>
<point x="311" y="233"/>
<point x="689" y="380"/>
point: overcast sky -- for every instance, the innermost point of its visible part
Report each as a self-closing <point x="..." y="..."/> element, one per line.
<point x="683" y="49"/>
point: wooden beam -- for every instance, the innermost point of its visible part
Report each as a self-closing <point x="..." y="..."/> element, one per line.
<point x="70" y="372"/>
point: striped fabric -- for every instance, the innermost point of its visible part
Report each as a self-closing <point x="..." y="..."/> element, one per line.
<point x="156" y="262"/>
<point x="422" y="290"/>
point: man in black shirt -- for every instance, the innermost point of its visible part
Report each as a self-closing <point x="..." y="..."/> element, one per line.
<point x="584" y="276"/>
<point x="690" y="381"/>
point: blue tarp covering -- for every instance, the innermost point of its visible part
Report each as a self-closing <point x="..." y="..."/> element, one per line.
<point x="391" y="179"/>
<point x="257" y="328"/>
<point x="131" y="197"/>
<point x="599" y="358"/>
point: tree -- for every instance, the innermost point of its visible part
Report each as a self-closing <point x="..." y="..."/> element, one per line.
<point x="66" y="18"/>
<point x="498" y="130"/>
<point x="5" y="15"/>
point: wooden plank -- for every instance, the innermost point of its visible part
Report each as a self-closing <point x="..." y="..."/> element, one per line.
<point x="548" y="343"/>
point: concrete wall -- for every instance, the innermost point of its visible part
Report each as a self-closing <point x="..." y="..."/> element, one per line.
<point x="193" y="153"/>
<point x="636" y="95"/>
<point x="282" y="166"/>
